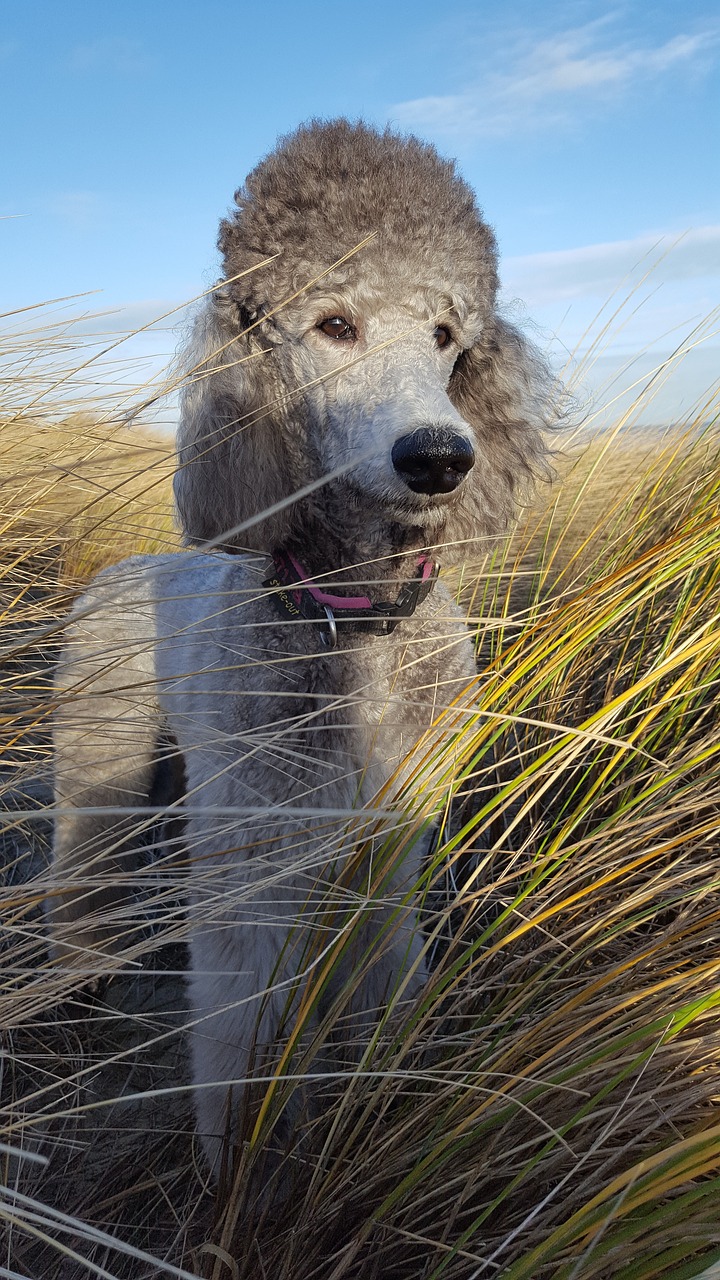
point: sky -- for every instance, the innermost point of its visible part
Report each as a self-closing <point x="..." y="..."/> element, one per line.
<point x="590" y="132"/>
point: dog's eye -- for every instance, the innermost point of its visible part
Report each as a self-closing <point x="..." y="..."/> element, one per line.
<point x="338" y="327"/>
<point x="443" y="335"/>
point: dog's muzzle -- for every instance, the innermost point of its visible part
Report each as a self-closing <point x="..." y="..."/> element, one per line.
<point x="432" y="459"/>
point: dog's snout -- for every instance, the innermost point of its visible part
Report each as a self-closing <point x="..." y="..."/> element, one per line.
<point x="432" y="459"/>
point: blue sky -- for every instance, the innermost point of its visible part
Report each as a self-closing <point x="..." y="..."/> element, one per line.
<point x="589" y="131"/>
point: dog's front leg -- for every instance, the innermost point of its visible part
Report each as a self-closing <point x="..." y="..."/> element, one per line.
<point x="251" y="962"/>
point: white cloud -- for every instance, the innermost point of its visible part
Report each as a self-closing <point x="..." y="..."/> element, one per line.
<point x="663" y="388"/>
<point x="561" y="65"/>
<point x="598" y="269"/>
<point x="632" y="303"/>
<point x="544" y="81"/>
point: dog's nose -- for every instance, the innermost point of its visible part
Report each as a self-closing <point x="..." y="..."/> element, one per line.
<point x="432" y="459"/>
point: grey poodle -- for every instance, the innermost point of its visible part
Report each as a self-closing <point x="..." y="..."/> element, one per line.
<point x="355" y="411"/>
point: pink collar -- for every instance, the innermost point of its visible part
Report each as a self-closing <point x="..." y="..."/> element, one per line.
<point x="301" y="598"/>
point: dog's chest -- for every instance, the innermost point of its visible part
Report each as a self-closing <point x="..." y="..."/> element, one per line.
<point x="358" y="705"/>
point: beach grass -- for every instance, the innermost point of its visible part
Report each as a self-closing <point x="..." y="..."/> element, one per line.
<point x="549" y="1106"/>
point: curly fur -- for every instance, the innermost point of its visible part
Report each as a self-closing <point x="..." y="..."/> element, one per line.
<point x="253" y="376"/>
<point x="286" y="439"/>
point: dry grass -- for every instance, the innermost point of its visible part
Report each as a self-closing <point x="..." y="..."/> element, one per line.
<point x="550" y="1107"/>
<point x="86" y="490"/>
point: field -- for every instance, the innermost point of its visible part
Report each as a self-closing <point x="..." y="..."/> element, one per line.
<point x="549" y="1110"/>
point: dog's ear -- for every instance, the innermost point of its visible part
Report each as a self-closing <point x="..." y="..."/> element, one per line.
<point x="231" y="467"/>
<point x="505" y="392"/>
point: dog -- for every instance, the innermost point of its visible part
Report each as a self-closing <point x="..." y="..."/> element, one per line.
<point x="355" y="411"/>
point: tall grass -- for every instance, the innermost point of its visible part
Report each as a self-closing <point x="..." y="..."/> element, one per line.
<point x="549" y="1107"/>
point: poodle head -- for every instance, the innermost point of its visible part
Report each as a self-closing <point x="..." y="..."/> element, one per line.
<point x="351" y="371"/>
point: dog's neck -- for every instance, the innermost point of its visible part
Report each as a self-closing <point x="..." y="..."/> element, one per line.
<point x="354" y="560"/>
<point x="355" y="583"/>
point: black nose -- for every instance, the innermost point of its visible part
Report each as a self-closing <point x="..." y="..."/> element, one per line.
<point x="432" y="460"/>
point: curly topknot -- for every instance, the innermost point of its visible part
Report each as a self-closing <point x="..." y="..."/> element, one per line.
<point x="329" y="185"/>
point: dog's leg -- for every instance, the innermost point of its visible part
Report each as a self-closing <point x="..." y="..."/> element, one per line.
<point x="262" y="937"/>
<point x="245" y="988"/>
<point x="105" y="733"/>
